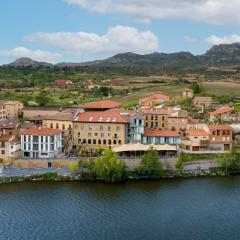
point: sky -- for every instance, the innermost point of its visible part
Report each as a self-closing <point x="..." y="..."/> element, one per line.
<point x="83" y="30"/>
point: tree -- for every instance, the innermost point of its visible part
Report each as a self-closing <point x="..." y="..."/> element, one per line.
<point x="196" y="88"/>
<point x="230" y="162"/>
<point x="150" y="165"/>
<point x="43" y="98"/>
<point x="109" y="168"/>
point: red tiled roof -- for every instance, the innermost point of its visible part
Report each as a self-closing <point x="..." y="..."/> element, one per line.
<point x="41" y="131"/>
<point x="220" y="127"/>
<point x="197" y="132"/>
<point x="160" y="133"/>
<point x="6" y="137"/>
<point x="104" y="104"/>
<point x="101" y="117"/>
<point x="222" y="110"/>
<point x="157" y="97"/>
<point x="62" y="82"/>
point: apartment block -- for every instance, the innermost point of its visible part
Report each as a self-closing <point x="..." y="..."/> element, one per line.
<point x="101" y="129"/>
<point x="41" y="143"/>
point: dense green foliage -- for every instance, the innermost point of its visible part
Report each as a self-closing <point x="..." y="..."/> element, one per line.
<point x="150" y="165"/>
<point x="230" y="162"/>
<point x="196" y="88"/>
<point x="107" y="168"/>
<point x="43" y="98"/>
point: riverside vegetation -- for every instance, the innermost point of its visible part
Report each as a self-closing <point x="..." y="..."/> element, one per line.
<point x="108" y="168"/>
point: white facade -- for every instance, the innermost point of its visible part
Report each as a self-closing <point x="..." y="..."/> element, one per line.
<point x="41" y="146"/>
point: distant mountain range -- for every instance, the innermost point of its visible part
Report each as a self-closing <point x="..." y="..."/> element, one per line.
<point x="220" y="55"/>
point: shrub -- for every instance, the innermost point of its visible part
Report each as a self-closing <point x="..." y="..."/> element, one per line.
<point x="150" y="165"/>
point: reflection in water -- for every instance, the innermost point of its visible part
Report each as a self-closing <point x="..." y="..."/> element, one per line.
<point x="167" y="209"/>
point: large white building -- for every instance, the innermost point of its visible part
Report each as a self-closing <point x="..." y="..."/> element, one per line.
<point x="41" y="143"/>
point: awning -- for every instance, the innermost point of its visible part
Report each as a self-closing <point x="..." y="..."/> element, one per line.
<point x="137" y="147"/>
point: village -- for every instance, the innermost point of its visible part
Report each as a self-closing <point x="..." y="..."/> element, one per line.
<point x="55" y="137"/>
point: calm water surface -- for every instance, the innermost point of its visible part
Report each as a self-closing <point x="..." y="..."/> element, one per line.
<point x="172" y="209"/>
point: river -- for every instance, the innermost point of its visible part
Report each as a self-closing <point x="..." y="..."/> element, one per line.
<point x="207" y="208"/>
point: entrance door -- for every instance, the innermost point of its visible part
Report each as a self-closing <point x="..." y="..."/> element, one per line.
<point x="226" y="147"/>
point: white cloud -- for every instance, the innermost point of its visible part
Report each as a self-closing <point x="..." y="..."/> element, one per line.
<point x="219" y="12"/>
<point x="215" y="40"/>
<point x="117" y="39"/>
<point x="190" y="39"/>
<point x="37" y="55"/>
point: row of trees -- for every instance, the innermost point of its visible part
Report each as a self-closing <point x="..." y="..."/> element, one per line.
<point x="111" y="169"/>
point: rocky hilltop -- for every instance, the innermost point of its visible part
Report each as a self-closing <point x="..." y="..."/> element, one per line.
<point x="220" y="55"/>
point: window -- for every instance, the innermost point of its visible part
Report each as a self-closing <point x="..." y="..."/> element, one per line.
<point x="89" y="141"/>
<point x="52" y="139"/>
<point x="109" y="142"/>
<point x="3" y="152"/>
<point x="79" y="134"/>
<point x="119" y="142"/>
<point x="118" y="129"/>
<point x="163" y="118"/>
<point x="63" y="126"/>
<point x="89" y="134"/>
<point x="35" y="138"/>
<point x="52" y="147"/>
<point x="99" y="141"/>
<point x="104" y="142"/>
<point x="84" y="141"/>
<point x="51" y="125"/>
<point x="69" y="126"/>
<point x="101" y="128"/>
<point x="114" y="142"/>
<point x="109" y="128"/>
<point x="94" y="141"/>
<point x="102" y="135"/>
<point x="3" y="144"/>
<point x="41" y="138"/>
<point x="57" y="125"/>
<point x="90" y="127"/>
<point x="35" y="146"/>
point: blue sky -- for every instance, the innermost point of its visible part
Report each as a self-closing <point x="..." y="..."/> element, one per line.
<point x="82" y="30"/>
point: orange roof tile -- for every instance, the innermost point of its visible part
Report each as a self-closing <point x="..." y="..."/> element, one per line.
<point x="41" y="131"/>
<point x="104" y="104"/>
<point x="197" y="132"/>
<point x="101" y="117"/>
<point x="6" y="137"/>
<point x="160" y="133"/>
<point x="222" y="110"/>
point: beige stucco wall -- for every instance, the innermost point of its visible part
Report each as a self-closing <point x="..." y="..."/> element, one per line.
<point x="91" y="131"/>
<point x="42" y="163"/>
